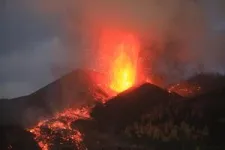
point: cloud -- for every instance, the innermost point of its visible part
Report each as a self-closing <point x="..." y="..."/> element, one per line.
<point x="25" y="71"/>
<point x="34" y="47"/>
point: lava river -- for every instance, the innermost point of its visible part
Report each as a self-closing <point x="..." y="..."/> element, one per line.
<point x="58" y="130"/>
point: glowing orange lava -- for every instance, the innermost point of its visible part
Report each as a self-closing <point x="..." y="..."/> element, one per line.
<point x="47" y="131"/>
<point x="123" y="71"/>
<point x="122" y="49"/>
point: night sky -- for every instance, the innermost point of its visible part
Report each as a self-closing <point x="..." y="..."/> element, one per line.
<point x="37" y="38"/>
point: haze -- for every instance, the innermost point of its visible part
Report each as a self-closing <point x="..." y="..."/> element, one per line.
<point x="42" y="40"/>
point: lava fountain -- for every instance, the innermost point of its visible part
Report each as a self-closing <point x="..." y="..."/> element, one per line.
<point x="123" y="50"/>
<point x="124" y="68"/>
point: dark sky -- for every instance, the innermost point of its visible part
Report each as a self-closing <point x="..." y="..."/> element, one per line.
<point x="30" y="48"/>
<point x="34" y="37"/>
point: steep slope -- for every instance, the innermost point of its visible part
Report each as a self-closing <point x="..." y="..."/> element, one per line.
<point x="75" y="89"/>
<point x="151" y="117"/>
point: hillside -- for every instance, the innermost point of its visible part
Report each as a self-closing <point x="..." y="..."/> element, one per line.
<point x="77" y="88"/>
<point x="151" y="117"/>
<point x="146" y="117"/>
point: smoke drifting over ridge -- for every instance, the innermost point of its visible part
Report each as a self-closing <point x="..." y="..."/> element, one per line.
<point x="177" y="33"/>
<point x="179" y="36"/>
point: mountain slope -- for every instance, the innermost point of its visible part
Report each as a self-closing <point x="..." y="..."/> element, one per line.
<point x="131" y="104"/>
<point x="151" y="117"/>
<point x="75" y="89"/>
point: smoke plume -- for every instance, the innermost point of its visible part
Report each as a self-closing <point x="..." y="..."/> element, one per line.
<point x="178" y="37"/>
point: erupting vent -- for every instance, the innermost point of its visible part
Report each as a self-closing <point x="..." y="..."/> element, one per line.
<point x="124" y="49"/>
<point x="123" y="71"/>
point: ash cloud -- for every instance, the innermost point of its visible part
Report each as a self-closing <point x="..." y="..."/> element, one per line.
<point x="180" y="37"/>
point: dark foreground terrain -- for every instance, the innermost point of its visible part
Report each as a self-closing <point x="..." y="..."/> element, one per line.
<point x="146" y="117"/>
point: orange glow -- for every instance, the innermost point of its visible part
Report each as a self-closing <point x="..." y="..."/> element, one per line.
<point x="122" y="50"/>
<point x="123" y="71"/>
<point x="60" y="123"/>
<point x="185" y="89"/>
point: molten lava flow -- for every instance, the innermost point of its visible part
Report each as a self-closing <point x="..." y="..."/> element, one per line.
<point x="58" y="130"/>
<point x="185" y="89"/>
<point x="123" y="62"/>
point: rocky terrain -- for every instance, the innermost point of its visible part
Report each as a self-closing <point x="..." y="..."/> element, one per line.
<point x="145" y="117"/>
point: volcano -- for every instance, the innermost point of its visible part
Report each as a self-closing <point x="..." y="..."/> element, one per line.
<point x="80" y="87"/>
<point x="77" y="111"/>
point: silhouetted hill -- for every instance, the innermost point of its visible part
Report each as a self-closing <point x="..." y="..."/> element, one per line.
<point x="77" y="88"/>
<point x="149" y="116"/>
<point x="130" y="105"/>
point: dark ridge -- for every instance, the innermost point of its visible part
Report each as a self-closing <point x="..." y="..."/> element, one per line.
<point x="15" y="137"/>
<point x="199" y="121"/>
<point x="130" y="105"/>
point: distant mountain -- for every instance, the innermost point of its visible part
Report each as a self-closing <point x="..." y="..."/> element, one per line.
<point x="80" y="87"/>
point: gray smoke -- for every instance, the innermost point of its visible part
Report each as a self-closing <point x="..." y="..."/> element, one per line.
<point x="181" y="37"/>
<point x="178" y="37"/>
<point x="185" y="32"/>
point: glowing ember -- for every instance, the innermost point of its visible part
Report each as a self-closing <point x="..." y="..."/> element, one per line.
<point x="58" y="129"/>
<point x="185" y="89"/>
